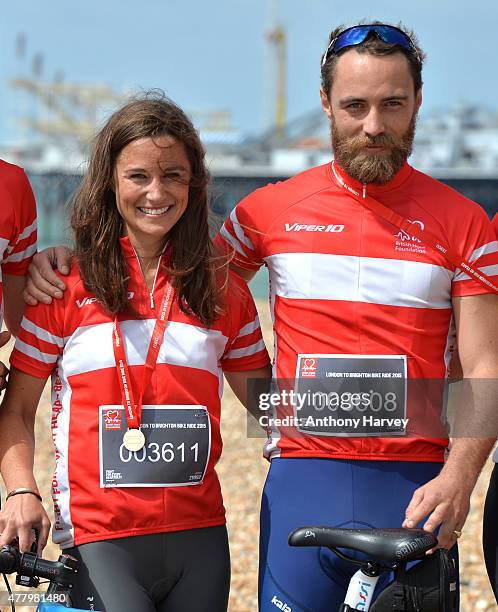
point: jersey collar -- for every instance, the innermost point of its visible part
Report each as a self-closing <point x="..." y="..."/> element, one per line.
<point x="129" y="252"/>
<point x="350" y="184"/>
<point x="126" y="247"/>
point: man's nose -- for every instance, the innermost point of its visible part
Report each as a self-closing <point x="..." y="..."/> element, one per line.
<point x="373" y="124"/>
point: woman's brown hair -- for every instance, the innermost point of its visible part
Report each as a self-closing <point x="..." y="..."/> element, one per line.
<point x="97" y="224"/>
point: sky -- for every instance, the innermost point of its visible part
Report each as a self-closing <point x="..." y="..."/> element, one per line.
<point x="213" y="55"/>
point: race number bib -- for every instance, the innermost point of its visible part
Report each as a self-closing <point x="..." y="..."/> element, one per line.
<point x="176" y="450"/>
<point x="351" y="395"/>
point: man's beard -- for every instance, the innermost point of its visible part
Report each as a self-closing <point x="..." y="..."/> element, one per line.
<point x="370" y="167"/>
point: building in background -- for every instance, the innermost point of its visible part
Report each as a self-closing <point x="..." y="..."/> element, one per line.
<point x="458" y="146"/>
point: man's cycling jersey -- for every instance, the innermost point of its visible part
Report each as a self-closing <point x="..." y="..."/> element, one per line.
<point x="17" y="223"/>
<point x="345" y="282"/>
<point x="72" y="340"/>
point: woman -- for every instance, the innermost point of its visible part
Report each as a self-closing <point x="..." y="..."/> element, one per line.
<point x="136" y="350"/>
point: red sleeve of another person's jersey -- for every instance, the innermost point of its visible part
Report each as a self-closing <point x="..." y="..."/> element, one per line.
<point x="245" y="349"/>
<point x="479" y="246"/>
<point x="243" y="233"/>
<point x="40" y="340"/>
<point x="495" y="224"/>
<point x="22" y="242"/>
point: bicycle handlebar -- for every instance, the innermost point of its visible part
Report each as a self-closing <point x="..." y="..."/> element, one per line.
<point x="10" y="559"/>
<point x="30" y="568"/>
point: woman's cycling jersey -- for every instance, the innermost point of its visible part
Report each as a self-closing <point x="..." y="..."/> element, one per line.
<point x="17" y="223"/>
<point x="344" y="283"/>
<point x="72" y="340"/>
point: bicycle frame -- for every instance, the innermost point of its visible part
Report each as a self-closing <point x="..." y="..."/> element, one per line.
<point x="360" y="591"/>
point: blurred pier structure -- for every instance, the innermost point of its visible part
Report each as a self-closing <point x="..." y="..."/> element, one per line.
<point x="458" y="146"/>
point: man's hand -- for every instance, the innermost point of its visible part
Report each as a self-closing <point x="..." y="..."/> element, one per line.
<point x="4" y="370"/>
<point x="43" y="284"/>
<point x="446" y="501"/>
<point x="20" y="515"/>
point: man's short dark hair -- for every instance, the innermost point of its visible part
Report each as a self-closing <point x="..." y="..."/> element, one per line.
<point x="375" y="46"/>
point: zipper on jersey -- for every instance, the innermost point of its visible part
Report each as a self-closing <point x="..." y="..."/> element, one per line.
<point x="151" y="293"/>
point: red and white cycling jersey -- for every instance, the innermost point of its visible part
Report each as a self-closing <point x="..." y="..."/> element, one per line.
<point x="17" y="223"/>
<point x="345" y="282"/>
<point x="72" y="340"/>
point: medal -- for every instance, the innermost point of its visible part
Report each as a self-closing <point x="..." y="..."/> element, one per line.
<point x="134" y="440"/>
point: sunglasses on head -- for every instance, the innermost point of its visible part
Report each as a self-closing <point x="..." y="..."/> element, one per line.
<point x="358" y="34"/>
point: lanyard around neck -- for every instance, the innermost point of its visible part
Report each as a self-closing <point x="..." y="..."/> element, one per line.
<point x="414" y="229"/>
<point x="133" y="408"/>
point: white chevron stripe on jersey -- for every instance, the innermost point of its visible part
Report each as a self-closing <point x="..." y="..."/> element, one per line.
<point x="4" y="243"/>
<point x="231" y="240"/>
<point x="33" y="352"/>
<point x="249" y="328"/>
<point x="485" y="249"/>
<point x="246" y="351"/>
<point x="41" y="333"/>
<point x="239" y="231"/>
<point x="319" y="276"/>
<point x="27" y="231"/>
<point x="183" y="345"/>
<point x="15" y="257"/>
<point x="488" y="270"/>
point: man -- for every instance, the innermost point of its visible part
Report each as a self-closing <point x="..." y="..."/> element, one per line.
<point x="354" y="296"/>
<point x="345" y="282"/>
<point x="17" y="246"/>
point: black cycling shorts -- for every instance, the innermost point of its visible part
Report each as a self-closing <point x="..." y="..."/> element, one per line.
<point x="163" y="572"/>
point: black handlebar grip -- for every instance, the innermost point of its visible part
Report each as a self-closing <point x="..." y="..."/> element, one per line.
<point x="10" y="559"/>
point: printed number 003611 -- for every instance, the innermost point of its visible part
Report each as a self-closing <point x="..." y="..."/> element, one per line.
<point x="154" y="453"/>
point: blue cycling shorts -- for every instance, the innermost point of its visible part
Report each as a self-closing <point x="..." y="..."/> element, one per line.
<point x="333" y="492"/>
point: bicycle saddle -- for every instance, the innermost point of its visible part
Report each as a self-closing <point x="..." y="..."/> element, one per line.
<point x="388" y="545"/>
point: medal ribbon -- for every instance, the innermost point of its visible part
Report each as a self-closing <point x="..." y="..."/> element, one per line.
<point x="423" y="235"/>
<point x="133" y="409"/>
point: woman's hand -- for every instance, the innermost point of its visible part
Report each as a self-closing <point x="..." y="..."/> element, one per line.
<point x="19" y="516"/>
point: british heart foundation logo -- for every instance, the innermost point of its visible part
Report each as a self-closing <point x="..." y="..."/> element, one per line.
<point x="112" y="419"/>
<point x="308" y="368"/>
